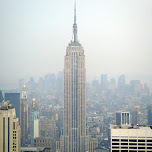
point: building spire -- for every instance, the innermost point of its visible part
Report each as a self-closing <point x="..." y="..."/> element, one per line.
<point x="75" y="12"/>
<point x="75" y="39"/>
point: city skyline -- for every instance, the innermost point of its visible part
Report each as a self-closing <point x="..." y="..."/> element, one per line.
<point x="35" y="32"/>
<point x="90" y="95"/>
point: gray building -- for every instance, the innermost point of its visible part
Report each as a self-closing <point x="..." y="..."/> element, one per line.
<point x="14" y="99"/>
<point x="149" y="116"/>
<point x="24" y="117"/>
<point x="122" y="118"/>
<point x="137" y="116"/>
<point x="75" y="134"/>
<point x="1" y="96"/>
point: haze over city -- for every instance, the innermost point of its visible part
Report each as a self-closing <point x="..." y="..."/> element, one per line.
<point x="116" y="36"/>
<point x="75" y="76"/>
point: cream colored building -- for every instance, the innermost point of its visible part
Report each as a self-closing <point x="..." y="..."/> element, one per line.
<point x="75" y="134"/>
<point x="131" y="138"/>
<point x="9" y="129"/>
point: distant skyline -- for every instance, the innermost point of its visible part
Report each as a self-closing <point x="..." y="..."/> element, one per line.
<point x="116" y="36"/>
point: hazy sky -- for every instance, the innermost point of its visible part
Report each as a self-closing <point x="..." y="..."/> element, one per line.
<point x="116" y="36"/>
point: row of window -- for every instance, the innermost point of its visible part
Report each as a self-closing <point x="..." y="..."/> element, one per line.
<point x="132" y="147"/>
<point x="127" y="151"/>
<point x="132" y="140"/>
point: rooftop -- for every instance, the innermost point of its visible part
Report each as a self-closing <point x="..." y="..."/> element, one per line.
<point x="5" y="105"/>
<point x="130" y="127"/>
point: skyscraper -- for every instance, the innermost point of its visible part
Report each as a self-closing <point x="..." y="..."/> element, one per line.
<point x="149" y="116"/>
<point x="104" y="81"/>
<point x="1" y="96"/>
<point x="121" y="82"/>
<point x="15" y="102"/>
<point x="35" y="121"/>
<point x="122" y="118"/>
<point x="9" y="128"/>
<point x="24" y="117"/>
<point x="137" y="116"/>
<point x="75" y="134"/>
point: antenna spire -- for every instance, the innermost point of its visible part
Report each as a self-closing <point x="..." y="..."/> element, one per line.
<point x="75" y="12"/>
<point x="75" y="39"/>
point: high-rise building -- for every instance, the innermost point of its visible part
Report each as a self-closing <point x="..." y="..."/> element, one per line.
<point x="9" y="128"/>
<point x="149" y="114"/>
<point x="74" y="137"/>
<point x="137" y="116"/>
<point x="35" y="121"/>
<point x="24" y="118"/>
<point x="14" y="99"/>
<point x="121" y="82"/>
<point x="130" y="138"/>
<point x="104" y="81"/>
<point x="33" y="107"/>
<point x="122" y="118"/>
<point x="1" y="96"/>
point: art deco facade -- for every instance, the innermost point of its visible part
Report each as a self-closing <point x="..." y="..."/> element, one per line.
<point x="24" y="118"/>
<point x="75" y="135"/>
<point x="9" y="129"/>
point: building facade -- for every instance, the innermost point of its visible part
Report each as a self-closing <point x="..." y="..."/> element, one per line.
<point x="24" y="118"/>
<point x="149" y="115"/>
<point x="45" y="142"/>
<point x="131" y="138"/>
<point x="137" y="116"/>
<point x="122" y="118"/>
<point x="35" y="125"/>
<point x="9" y="129"/>
<point x="1" y="96"/>
<point x="74" y="136"/>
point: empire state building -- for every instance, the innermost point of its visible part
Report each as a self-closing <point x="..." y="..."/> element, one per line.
<point x="74" y="136"/>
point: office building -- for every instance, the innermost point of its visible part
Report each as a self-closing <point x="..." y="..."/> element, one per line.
<point x="14" y="99"/>
<point x="1" y="96"/>
<point x="35" y="121"/>
<point x="131" y="138"/>
<point x="75" y="134"/>
<point x="122" y="118"/>
<point x="24" y="118"/>
<point x="9" y="128"/>
<point x="46" y="142"/>
<point x="104" y="81"/>
<point x="137" y="116"/>
<point x="149" y="116"/>
<point x="121" y="82"/>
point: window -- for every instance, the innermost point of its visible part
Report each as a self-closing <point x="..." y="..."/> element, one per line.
<point x="115" y="139"/>
<point x="13" y="125"/>
<point x="132" y="140"/>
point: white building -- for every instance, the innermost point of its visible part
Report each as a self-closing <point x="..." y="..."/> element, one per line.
<point x="130" y="138"/>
